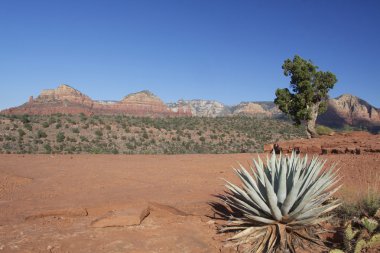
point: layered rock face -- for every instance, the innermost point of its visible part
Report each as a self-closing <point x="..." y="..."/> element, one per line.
<point x="66" y="99"/>
<point x="202" y="108"/>
<point x="266" y="109"/>
<point x="350" y="110"/>
<point x="344" y="110"/>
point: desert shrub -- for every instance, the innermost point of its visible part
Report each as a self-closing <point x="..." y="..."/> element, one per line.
<point x="25" y="119"/>
<point x="280" y="206"/>
<point x="60" y="137"/>
<point x="52" y="120"/>
<point x="98" y="133"/>
<point x="323" y="130"/>
<point x="75" y="130"/>
<point x="48" y="148"/>
<point x="82" y="117"/>
<point x="367" y="205"/>
<point x="71" y="139"/>
<point x="360" y="235"/>
<point x="45" y="124"/>
<point x="83" y="138"/>
<point x="108" y="127"/>
<point x="41" y="134"/>
<point x="58" y="125"/>
<point x="21" y="132"/>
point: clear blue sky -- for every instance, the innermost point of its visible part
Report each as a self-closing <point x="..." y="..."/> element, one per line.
<point x="226" y="50"/>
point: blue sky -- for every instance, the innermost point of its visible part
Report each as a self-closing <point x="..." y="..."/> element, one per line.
<point x="225" y="50"/>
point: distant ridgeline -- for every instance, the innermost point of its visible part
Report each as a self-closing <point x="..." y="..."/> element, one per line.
<point x="346" y="110"/>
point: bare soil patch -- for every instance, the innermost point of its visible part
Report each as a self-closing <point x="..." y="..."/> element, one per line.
<point x="65" y="194"/>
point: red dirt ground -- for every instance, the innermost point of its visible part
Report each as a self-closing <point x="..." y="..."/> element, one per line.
<point x="48" y="203"/>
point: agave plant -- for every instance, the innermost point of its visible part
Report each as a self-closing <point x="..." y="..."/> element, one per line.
<point x="279" y="202"/>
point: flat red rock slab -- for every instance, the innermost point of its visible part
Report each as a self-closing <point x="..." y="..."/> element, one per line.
<point x="130" y="217"/>
<point x="68" y="212"/>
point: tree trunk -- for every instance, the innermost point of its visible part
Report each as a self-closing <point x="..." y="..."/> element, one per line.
<point x="310" y="125"/>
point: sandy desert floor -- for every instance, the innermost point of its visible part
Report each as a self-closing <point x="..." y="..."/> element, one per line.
<point x="93" y="203"/>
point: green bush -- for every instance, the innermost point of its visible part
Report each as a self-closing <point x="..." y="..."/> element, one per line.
<point x="60" y="137"/>
<point x="367" y="205"/>
<point x="98" y="133"/>
<point x="48" y="148"/>
<point x="41" y="134"/>
<point x="21" y="133"/>
<point x="323" y="130"/>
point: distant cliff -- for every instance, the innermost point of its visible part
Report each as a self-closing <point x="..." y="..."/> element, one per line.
<point x="66" y="99"/>
<point x="344" y="110"/>
<point x="350" y="110"/>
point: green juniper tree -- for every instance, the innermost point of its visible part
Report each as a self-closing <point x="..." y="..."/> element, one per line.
<point x="308" y="95"/>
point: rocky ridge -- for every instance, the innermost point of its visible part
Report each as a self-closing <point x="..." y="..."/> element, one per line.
<point x="350" y="110"/>
<point x="344" y="110"/>
<point x="202" y="108"/>
<point x="68" y="100"/>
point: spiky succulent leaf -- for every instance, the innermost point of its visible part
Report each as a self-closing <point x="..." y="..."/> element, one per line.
<point x="287" y="191"/>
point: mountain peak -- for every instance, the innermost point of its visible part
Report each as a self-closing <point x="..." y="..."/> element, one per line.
<point x="142" y="97"/>
<point x="346" y="96"/>
<point x="65" y="87"/>
<point x="143" y="92"/>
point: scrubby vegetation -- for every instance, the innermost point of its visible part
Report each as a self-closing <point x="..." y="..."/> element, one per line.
<point x="135" y="135"/>
<point x="360" y="222"/>
<point x="323" y="130"/>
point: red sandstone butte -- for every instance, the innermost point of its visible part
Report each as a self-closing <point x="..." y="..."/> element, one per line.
<point x="67" y="100"/>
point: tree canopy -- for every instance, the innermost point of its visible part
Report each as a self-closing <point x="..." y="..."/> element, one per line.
<point x="308" y="92"/>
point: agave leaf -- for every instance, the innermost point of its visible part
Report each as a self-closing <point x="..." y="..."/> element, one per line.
<point x="261" y="219"/>
<point x="244" y="205"/>
<point x="249" y="181"/>
<point x="272" y="199"/>
<point x="306" y="237"/>
<point x="308" y="178"/>
<point x="281" y="193"/>
<point x="272" y="239"/>
<point x="260" y="172"/>
<point x="306" y="199"/>
<point x="315" y="212"/>
<point x="254" y="197"/>
<point x="264" y="242"/>
<point x="245" y="233"/>
<point x="272" y="167"/>
<point x="292" y="197"/>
